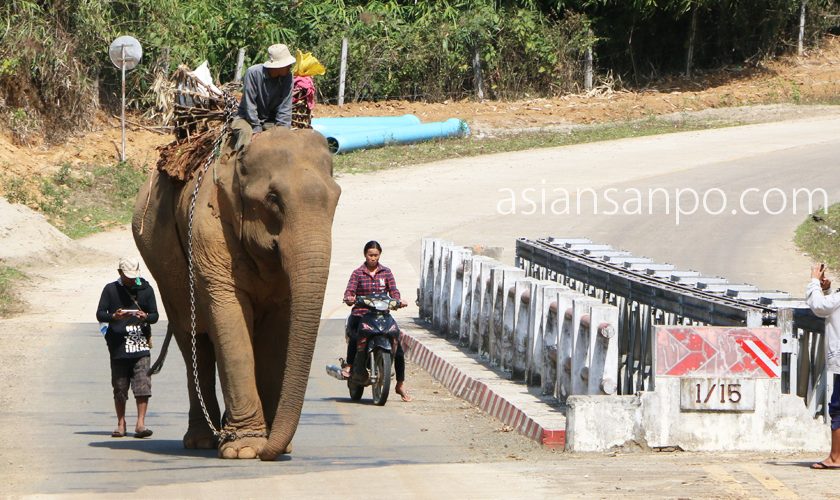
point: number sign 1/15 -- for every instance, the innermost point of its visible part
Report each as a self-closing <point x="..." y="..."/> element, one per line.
<point x="717" y="394"/>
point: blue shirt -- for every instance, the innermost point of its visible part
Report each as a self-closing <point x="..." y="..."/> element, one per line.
<point x="266" y="99"/>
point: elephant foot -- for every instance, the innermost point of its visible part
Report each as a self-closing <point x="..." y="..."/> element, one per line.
<point x="200" y="439"/>
<point x="244" y="447"/>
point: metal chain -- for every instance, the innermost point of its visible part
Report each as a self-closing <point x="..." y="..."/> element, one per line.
<point x="199" y="177"/>
<point x="222" y="434"/>
<point x="230" y="110"/>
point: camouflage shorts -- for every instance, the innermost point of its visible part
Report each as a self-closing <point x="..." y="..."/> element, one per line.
<point x="125" y="372"/>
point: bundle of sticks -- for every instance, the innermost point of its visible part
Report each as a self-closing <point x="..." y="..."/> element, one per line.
<point x="179" y="159"/>
<point x="199" y="114"/>
<point x="198" y="107"/>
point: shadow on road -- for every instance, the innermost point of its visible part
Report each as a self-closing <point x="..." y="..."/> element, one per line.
<point x="172" y="447"/>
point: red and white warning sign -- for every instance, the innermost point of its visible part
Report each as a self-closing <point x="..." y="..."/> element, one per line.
<point x="712" y="351"/>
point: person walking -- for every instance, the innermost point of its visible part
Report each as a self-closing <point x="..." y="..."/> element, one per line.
<point x="126" y="310"/>
<point x="826" y="305"/>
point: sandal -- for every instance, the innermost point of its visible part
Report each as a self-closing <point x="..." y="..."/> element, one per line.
<point x="117" y="434"/>
<point x="144" y="433"/>
<point x="824" y="466"/>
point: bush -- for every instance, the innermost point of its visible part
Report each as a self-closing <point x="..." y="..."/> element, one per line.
<point x="55" y="71"/>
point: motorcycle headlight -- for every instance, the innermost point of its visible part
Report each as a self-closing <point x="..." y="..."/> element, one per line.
<point x="380" y="305"/>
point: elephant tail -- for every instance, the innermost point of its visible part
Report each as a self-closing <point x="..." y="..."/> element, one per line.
<point x="158" y="364"/>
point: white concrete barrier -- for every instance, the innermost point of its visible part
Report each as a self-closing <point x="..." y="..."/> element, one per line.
<point x="507" y="318"/>
<point x="439" y="264"/>
<point x="457" y="291"/>
<point x="516" y="328"/>
<point x="653" y="419"/>
<point x="581" y="332"/>
<point x="603" y="355"/>
<point x="481" y="321"/>
<point x="565" y="344"/>
<point x="473" y="294"/>
<point x="544" y="295"/>
<point x="424" y="297"/>
<point x="503" y="280"/>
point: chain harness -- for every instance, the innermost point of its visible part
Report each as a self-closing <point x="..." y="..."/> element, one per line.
<point x="221" y="434"/>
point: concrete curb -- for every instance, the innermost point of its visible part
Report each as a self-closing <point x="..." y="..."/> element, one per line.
<point x="511" y="403"/>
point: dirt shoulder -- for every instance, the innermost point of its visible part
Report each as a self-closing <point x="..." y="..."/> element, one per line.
<point x="776" y="90"/>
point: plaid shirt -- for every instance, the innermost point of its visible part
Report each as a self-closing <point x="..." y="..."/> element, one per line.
<point x="362" y="283"/>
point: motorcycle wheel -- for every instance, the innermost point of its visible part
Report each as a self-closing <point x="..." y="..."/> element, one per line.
<point x="382" y="386"/>
<point x="356" y="390"/>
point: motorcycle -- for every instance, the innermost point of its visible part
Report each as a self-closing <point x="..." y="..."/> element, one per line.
<point x="376" y="344"/>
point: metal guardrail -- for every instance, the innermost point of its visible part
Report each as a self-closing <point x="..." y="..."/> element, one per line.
<point x="649" y="294"/>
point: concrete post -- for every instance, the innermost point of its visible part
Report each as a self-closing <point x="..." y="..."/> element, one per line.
<point x="444" y="291"/>
<point x="581" y="320"/>
<point x="457" y="290"/>
<point x="603" y="335"/>
<point x="472" y="297"/>
<point x="424" y="296"/>
<point x="546" y="294"/>
<point x="565" y="343"/>
<point x="503" y="279"/>
<point x="437" y="277"/>
<point x="483" y="319"/>
<point x="790" y="346"/>
<point x="525" y="291"/>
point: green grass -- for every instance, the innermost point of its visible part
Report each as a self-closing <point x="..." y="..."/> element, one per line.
<point x="91" y="198"/>
<point x="9" y="301"/>
<point x="821" y="238"/>
<point x="401" y="155"/>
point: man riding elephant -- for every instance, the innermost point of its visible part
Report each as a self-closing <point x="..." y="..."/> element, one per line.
<point x="259" y="240"/>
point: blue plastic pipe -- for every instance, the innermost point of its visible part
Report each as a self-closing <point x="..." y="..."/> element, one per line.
<point x="344" y="140"/>
<point x="363" y="122"/>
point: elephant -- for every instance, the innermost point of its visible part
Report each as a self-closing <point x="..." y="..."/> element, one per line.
<point x="261" y="245"/>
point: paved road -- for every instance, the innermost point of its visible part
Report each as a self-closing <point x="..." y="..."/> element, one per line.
<point x="459" y="200"/>
<point x="56" y="428"/>
<point x="69" y="418"/>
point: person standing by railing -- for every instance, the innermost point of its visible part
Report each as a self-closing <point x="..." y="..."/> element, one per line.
<point x="826" y="305"/>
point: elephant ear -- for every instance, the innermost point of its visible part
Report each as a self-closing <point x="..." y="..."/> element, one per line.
<point x="228" y="197"/>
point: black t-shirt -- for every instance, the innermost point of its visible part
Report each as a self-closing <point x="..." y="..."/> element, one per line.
<point x="126" y="337"/>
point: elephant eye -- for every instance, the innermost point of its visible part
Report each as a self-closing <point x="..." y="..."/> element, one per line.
<point x="274" y="199"/>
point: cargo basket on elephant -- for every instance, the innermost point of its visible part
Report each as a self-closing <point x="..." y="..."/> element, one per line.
<point x="199" y="111"/>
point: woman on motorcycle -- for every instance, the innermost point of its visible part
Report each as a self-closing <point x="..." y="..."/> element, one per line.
<point x="372" y="277"/>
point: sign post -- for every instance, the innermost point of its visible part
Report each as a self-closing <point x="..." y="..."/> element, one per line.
<point x="718" y="366"/>
<point x="125" y="53"/>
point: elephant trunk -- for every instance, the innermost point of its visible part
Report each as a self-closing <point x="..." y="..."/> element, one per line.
<point x="308" y="279"/>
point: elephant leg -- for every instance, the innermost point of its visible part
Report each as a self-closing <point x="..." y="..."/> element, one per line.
<point x="199" y="435"/>
<point x="271" y="344"/>
<point x="232" y="336"/>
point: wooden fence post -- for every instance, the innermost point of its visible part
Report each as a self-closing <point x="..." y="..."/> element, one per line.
<point x="477" y="76"/>
<point x="587" y="69"/>
<point x="342" y="71"/>
<point x="240" y="61"/>
<point x="801" y="45"/>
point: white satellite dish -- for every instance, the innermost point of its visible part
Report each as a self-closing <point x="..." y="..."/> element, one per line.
<point x="125" y="53"/>
<point x="125" y="49"/>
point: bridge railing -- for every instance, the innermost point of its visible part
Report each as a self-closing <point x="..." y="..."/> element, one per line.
<point x="649" y="294"/>
<point x="515" y="323"/>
